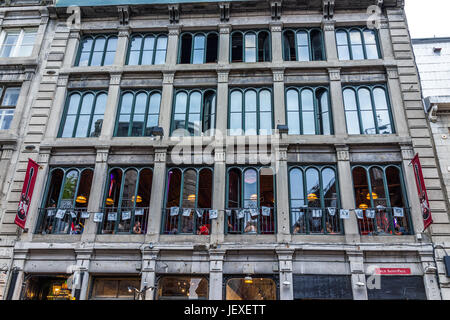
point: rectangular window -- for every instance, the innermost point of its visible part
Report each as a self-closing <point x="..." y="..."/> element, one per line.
<point x="357" y="44"/>
<point x="9" y="97"/>
<point x="147" y="49"/>
<point x="17" y="42"/>
<point x="115" y="288"/>
<point x="98" y="50"/>
<point x="303" y="45"/>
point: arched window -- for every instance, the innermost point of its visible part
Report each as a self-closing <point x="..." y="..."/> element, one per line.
<point x="250" y="46"/>
<point x="83" y="116"/>
<point x="367" y="110"/>
<point x="65" y="202"/>
<point x="380" y="194"/>
<point x="250" y="112"/>
<point x="194" y="113"/>
<point x="357" y="44"/>
<point x="199" y="48"/>
<point x="138" y="113"/>
<point x="147" y="49"/>
<point x="127" y="201"/>
<point x="303" y="45"/>
<point x="97" y="50"/>
<point x="314" y="200"/>
<point x="308" y="111"/>
<point x="188" y="201"/>
<point x="250" y="200"/>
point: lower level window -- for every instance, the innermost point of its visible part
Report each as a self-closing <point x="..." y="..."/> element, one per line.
<point x="8" y="101"/>
<point x="182" y="288"/>
<point x="114" y="288"/>
<point x="251" y="288"/>
<point x="43" y="287"/>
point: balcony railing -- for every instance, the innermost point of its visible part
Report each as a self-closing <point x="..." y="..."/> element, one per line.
<point x="250" y="221"/>
<point x="124" y="220"/>
<point x="316" y="221"/>
<point x="186" y="221"/>
<point x="61" y="220"/>
<point x="385" y="221"/>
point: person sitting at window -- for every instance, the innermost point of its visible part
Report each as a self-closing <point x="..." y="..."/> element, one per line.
<point x="251" y="227"/>
<point x="203" y="230"/>
<point x="137" y="228"/>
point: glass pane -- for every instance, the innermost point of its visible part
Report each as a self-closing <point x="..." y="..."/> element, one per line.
<point x="87" y="103"/>
<point x="129" y="189"/>
<point x="189" y="188"/>
<point x="250" y="47"/>
<point x="259" y="289"/>
<point x="379" y="96"/>
<point x="372" y="51"/>
<point x="70" y="184"/>
<point x="266" y="188"/>
<point x="384" y="122"/>
<point x="350" y="99"/>
<point x="100" y="104"/>
<point x="82" y="126"/>
<point x="133" y="58"/>
<point x="155" y="102"/>
<point x="352" y="122"/>
<point x="329" y="187"/>
<point x="344" y="53"/>
<point x="136" y="43"/>
<point x="317" y="45"/>
<point x="309" y="125"/>
<point x="307" y="100"/>
<point x="395" y="187"/>
<point x="250" y="123"/>
<point x="361" y="187"/>
<point x="250" y="100"/>
<point x="313" y="188"/>
<point x="127" y="103"/>
<point x="303" y="53"/>
<point x="11" y="96"/>
<point x="99" y="44"/>
<point x="122" y="126"/>
<point x="234" y="188"/>
<point x="265" y="125"/>
<point x="181" y="101"/>
<point x="250" y="188"/>
<point x="292" y="100"/>
<point x="341" y="38"/>
<point x="235" y="123"/>
<point x="96" y="126"/>
<point x="96" y="59"/>
<point x="302" y="38"/>
<point x="293" y="122"/>
<point x="199" y="56"/>
<point x="378" y="192"/>
<point x="236" y="101"/>
<point x="109" y="58"/>
<point x="140" y="104"/>
<point x="173" y="188"/>
<point x="296" y="184"/>
<point x="68" y="127"/>
<point x="199" y="42"/>
<point x="161" y="43"/>
<point x="357" y="52"/>
<point x="265" y="101"/>
<point x="195" y="102"/>
<point x="149" y="43"/>
<point x="205" y="189"/>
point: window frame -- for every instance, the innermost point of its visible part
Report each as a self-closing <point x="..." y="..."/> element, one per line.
<point x="82" y="94"/>
<point x="19" y="43"/>
<point x="310" y="47"/>
<point x="189" y="93"/>
<point x="149" y="94"/>
<point x="141" y="50"/>
<point x="206" y="34"/>
<point x="258" y="106"/>
<point x="244" y="33"/>
<point x="3" y="108"/>
<point x="94" y="38"/>
<point x="371" y="89"/>
<point x="318" y="124"/>
<point x="361" y="30"/>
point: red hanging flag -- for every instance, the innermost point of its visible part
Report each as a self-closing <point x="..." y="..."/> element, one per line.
<point x="27" y="192"/>
<point x="422" y="191"/>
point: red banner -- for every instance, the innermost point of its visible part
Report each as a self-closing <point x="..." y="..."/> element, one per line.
<point x="422" y="191"/>
<point x="27" y="193"/>
<point x="395" y="271"/>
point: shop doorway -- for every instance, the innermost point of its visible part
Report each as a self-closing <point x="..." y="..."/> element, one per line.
<point x="46" y="288"/>
<point x="251" y="288"/>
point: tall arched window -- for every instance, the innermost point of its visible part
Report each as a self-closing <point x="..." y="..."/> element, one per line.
<point x="250" y="200"/>
<point x="98" y="50"/>
<point x="367" y="110"/>
<point x="188" y="201"/>
<point x="199" y="48"/>
<point x="357" y="44"/>
<point x="127" y="201"/>
<point x="147" y="49"/>
<point x="314" y="200"/>
<point x="308" y="111"/>
<point x="380" y="194"/>
<point x="83" y="115"/>
<point x="250" y="112"/>
<point x="250" y="46"/>
<point x="194" y="112"/>
<point x="138" y="113"/>
<point x="303" y="45"/>
<point x="65" y="202"/>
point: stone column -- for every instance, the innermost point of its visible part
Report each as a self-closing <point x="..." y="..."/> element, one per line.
<point x="71" y="48"/>
<point x="347" y="196"/>
<point x="96" y="195"/>
<point x="122" y="46"/>
<point x="219" y="190"/>
<point x="356" y="259"/>
<point x="6" y="154"/>
<point x="172" y="45"/>
<point x="19" y="256"/>
<point x="278" y="97"/>
<point x="216" y="259"/>
<point x="165" y="115"/>
<point x="337" y="103"/>
<point x="397" y="106"/>
<point x="282" y="191"/>
<point x="81" y="273"/>
<point x="112" y="102"/>
<point x="385" y="41"/>
<point x="276" y="29"/>
<point x="430" y="276"/>
<point x="21" y="105"/>
<point x="222" y="102"/>
<point x="158" y="193"/>
<point x="411" y="188"/>
<point x="286" y="277"/>
<point x="330" y="40"/>
<point x="224" y="44"/>
<point x="148" y="279"/>
<point x="54" y="119"/>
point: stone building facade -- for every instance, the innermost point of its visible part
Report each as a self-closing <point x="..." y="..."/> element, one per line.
<point x="113" y="207"/>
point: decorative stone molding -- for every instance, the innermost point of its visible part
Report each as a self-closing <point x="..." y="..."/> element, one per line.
<point x="275" y="9"/>
<point x="328" y="9"/>
<point x="328" y="25"/>
<point x="407" y="151"/>
<point x="44" y="156"/>
<point x="6" y="153"/>
<point x="342" y="153"/>
<point x="115" y="79"/>
<point x="224" y="8"/>
<point x="392" y="72"/>
<point x="160" y="156"/>
<point x="174" y="13"/>
<point x="281" y="153"/>
<point x="102" y="156"/>
<point x="168" y="78"/>
<point x="63" y="79"/>
<point x="225" y="28"/>
<point x="74" y="34"/>
<point x="124" y="14"/>
<point x="276" y="27"/>
<point x="334" y="74"/>
<point x="278" y="75"/>
<point x="124" y="32"/>
<point x="222" y="76"/>
<point x="174" y="30"/>
<point x="432" y="114"/>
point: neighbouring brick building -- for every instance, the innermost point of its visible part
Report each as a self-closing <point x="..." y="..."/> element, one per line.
<point x="116" y="96"/>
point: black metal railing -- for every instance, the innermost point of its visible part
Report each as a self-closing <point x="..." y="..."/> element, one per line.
<point x="316" y="221"/>
<point x="186" y="221"/>
<point x="385" y="221"/>
<point x="61" y="220"/>
<point x="124" y="220"/>
<point x="250" y="221"/>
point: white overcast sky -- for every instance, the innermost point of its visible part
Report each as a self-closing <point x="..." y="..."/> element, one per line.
<point x="428" y="18"/>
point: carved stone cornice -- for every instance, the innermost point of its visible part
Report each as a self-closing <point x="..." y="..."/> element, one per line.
<point x="328" y="25"/>
<point x="63" y="79"/>
<point x="334" y="74"/>
<point x="224" y="8"/>
<point x="278" y="75"/>
<point x="275" y="9"/>
<point x="407" y="151"/>
<point x="174" y="13"/>
<point x="276" y="27"/>
<point x="342" y="153"/>
<point x="328" y="9"/>
<point x="225" y="28"/>
<point x="222" y="76"/>
<point x="115" y="79"/>
<point x="392" y="72"/>
<point x="174" y="30"/>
